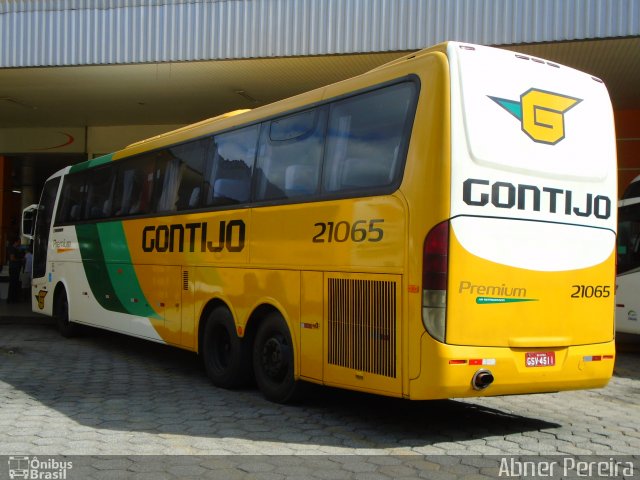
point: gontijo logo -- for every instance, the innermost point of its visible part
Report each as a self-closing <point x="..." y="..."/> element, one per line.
<point x="541" y="113"/>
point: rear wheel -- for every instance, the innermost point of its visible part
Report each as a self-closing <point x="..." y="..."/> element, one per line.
<point x="273" y="360"/>
<point x="61" y="315"/>
<point x="226" y="356"/>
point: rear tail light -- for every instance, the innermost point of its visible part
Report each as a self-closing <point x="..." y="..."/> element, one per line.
<point x="435" y="266"/>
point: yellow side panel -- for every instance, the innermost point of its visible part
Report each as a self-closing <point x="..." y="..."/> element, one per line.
<point x="312" y="325"/>
<point x="426" y="186"/>
<point x="243" y="290"/>
<point x="161" y="286"/>
<point x="161" y="247"/>
<point x="490" y="304"/>
<point x="189" y="335"/>
<point x="362" y="232"/>
<point x="190" y="239"/>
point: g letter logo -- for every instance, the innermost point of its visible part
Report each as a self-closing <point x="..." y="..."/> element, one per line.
<point x="541" y="113"/>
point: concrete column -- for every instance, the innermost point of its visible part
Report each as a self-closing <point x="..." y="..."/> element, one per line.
<point x="28" y="194"/>
<point x="5" y="201"/>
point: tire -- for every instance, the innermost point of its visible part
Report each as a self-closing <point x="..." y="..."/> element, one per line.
<point x="226" y="356"/>
<point x="66" y="328"/>
<point x="273" y="361"/>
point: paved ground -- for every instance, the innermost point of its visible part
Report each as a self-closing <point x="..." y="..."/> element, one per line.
<point x="106" y="394"/>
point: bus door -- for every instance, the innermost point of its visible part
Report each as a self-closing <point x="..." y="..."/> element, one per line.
<point x="42" y="297"/>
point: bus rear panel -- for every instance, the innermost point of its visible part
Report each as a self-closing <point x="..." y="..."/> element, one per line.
<point x="528" y="300"/>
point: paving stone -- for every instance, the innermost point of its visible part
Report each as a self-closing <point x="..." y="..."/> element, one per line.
<point x="105" y="394"/>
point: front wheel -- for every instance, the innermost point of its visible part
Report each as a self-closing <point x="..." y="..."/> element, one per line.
<point x="61" y="315"/>
<point x="273" y="360"/>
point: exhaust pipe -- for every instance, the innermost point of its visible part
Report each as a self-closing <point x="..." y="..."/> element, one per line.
<point x="481" y="379"/>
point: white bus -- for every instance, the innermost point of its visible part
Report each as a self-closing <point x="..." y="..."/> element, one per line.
<point x="628" y="279"/>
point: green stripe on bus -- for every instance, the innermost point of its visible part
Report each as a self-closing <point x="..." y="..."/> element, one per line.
<point x="121" y="272"/>
<point x="94" y="162"/>
<point x="494" y="300"/>
<point x="94" y="268"/>
<point x="107" y="264"/>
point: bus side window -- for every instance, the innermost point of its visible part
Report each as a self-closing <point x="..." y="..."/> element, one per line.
<point x="290" y="155"/>
<point x="229" y="177"/>
<point x="191" y="156"/>
<point x="366" y="136"/>
<point x="100" y="185"/>
<point x="167" y="176"/>
<point x="132" y="193"/>
<point x="72" y="198"/>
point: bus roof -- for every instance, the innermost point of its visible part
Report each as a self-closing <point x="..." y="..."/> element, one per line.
<point x="229" y="119"/>
<point x="189" y="127"/>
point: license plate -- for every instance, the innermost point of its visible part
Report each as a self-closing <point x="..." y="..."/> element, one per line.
<point x="540" y="359"/>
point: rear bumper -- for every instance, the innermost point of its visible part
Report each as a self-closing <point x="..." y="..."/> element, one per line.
<point x="442" y="376"/>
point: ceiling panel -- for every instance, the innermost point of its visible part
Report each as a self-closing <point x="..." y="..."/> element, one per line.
<point x="180" y="93"/>
<point x="166" y="93"/>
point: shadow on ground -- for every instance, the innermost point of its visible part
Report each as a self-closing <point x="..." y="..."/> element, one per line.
<point x="627" y="364"/>
<point x="110" y="381"/>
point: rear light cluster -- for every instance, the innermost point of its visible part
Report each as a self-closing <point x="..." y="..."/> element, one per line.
<point x="597" y="358"/>
<point x="473" y="361"/>
<point x="435" y="266"/>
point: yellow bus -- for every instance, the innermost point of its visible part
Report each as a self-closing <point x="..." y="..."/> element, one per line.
<point x="441" y="226"/>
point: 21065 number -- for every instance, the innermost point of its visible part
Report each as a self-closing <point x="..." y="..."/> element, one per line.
<point x="590" y="291"/>
<point x="359" y="231"/>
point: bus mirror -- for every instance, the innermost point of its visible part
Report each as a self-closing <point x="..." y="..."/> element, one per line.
<point x="29" y="221"/>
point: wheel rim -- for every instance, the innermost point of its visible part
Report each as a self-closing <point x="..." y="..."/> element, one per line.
<point x="275" y="358"/>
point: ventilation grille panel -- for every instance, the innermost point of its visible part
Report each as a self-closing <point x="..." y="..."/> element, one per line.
<point x="362" y="325"/>
<point x="185" y="280"/>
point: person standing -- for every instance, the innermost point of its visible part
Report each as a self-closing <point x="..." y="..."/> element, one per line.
<point x="15" y="267"/>
<point x="27" y="274"/>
